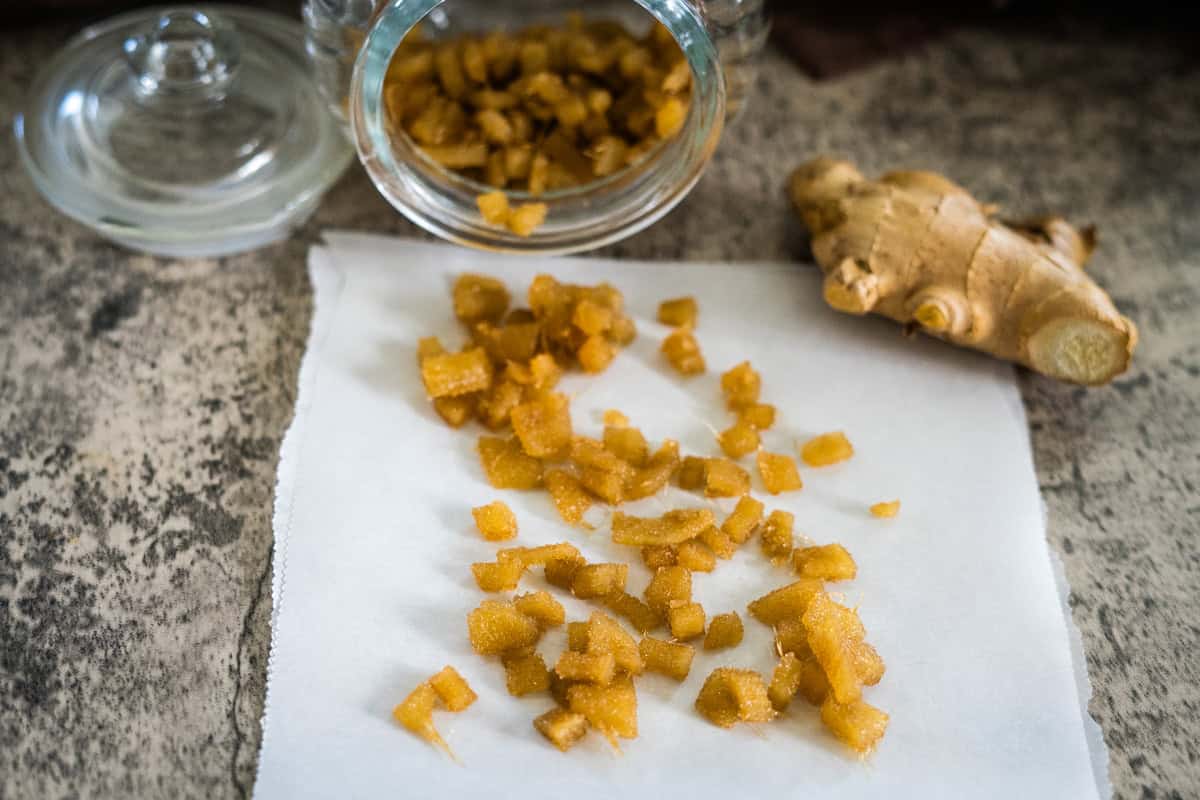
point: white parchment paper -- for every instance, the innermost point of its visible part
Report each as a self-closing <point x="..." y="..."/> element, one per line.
<point x="374" y="534"/>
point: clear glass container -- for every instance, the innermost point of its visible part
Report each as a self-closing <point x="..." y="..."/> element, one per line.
<point x="351" y="43"/>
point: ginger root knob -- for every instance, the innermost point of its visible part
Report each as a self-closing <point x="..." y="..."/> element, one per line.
<point x="917" y="248"/>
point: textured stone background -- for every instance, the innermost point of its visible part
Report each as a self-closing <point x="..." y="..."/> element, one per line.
<point x="142" y="403"/>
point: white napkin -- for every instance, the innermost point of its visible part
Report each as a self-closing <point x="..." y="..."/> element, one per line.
<point x="374" y="537"/>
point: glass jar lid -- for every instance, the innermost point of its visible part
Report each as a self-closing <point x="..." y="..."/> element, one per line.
<point x="183" y="131"/>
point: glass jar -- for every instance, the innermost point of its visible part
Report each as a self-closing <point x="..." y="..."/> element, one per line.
<point x="351" y="43"/>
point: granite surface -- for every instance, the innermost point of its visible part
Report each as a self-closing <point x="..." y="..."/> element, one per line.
<point x="142" y="402"/>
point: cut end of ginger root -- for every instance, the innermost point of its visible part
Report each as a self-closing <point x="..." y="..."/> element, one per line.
<point x="1017" y="291"/>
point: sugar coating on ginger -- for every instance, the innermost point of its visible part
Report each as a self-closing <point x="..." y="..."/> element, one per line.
<point x="732" y="695"/>
<point x="725" y="630"/>
<point x="778" y="472"/>
<point x="673" y="659"/>
<point x="561" y="727"/>
<point x="495" y="521"/>
<point x="826" y="449"/>
<point x="682" y="352"/>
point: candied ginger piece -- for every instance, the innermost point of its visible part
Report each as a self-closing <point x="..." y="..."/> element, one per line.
<point x="560" y="572"/>
<point x="571" y="500"/>
<point x="682" y="352"/>
<point x="779" y="473"/>
<point x="741" y="385"/>
<point x="743" y="520"/>
<point x="678" y="313"/>
<point x="506" y="464"/>
<point x="785" y="681"/>
<point x="524" y="219"/>
<point x="725" y="630"/>
<point x="829" y="562"/>
<point x="691" y="473"/>
<point x="599" y="580"/>
<point x="541" y="607"/>
<point x="493" y="206"/>
<point x="760" y="415"/>
<point x="595" y="354"/>
<point x="777" y="538"/>
<point x="416" y="714"/>
<point x="858" y="724"/>
<point x="696" y="556"/>
<point x="429" y="346"/>
<point x="452" y="689"/>
<point x="495" y="521"/>
<point x="598" y="668"/>
<point x="615" y="419"/>
<point x="739" y="439"/>
<point x="719" y="542"/>
<point x="826" y="449"/>
<point x="672" y="659"/>
<point x="479" y="297"/>
<point x="724" y="478"/>
<point x="734" y="695"/>
<point x="456" y="411"/>
<point x="673" y="527"/>
<point x="605" y="635"/>
<point x="659" y="555"/>
<point x="791" y="637"/>
<point x="786" y="602"/>
<point x="611" y="709"/>
<point x="525" y="674"/>
<point x="886" y="510"/>
<point x="627" y="443"/>
<point x="455" y="374"/>
<point x="834" y="631"/>
<point x="543" y="426"/>
<point x="639" y="615"/>
<point x="501" y="576"/>
<point x="670" y="586"/>
<point x="561" y="727"/>
<point x="656" y="474"/>
<point x="686" y="621"/>
<point x="496" y="627"/>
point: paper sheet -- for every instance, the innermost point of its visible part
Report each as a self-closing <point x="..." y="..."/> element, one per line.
<point x="374" y="535"/>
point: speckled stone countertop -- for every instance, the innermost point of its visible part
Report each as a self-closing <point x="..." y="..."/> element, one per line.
<point x="142" y="402"/>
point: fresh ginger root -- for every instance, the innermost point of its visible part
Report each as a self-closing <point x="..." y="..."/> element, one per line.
<point x="917" y="248"/>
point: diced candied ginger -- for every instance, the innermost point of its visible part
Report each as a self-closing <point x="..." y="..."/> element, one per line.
<point x="525" y="673"/>
<point x="741" y="385"/>
<point x="669" y="117"/>
<point x="595" y="354"/>
<point x="779" y="473"/>
<point x="627" y="443"/>
<point x="496" y="627"/>
<point x="479" y="297"/>
<point x="506" y="464"/>
<point x="560" y="572"/>
<point x="571" y="500"/>
<point x="868" y="664"/>
<point x="608" y="486"/>
<point x="886" y="510"/>
<point x="686" y="621"/>
<point x="416" y="714"/>
<point x="682" y="352"/>
<point x="785" y="681"/>
<point x="826" y="449"/>
<point x="723" y="478"/>
<point x="452" y="689"/>
<point x="577" y="636"/>
<point x="829" y="562"/>
<point x="541" y="607"/>
<point x="777" y="538"/>
<point x="738" y="440"/>
<point x="605" y="635"/>
<point x="696" y="556"/>
<point x="691" y="473"/>
<point x="456" y="374"/>
<point x="743" y="520"/>
<point x="599" y="668"/>
<point x="495" y="521"/>
<point x="725" y="630"/>
<point x="591" y="318"/>
<point x="637" y="613"/>
<point x="493" y="206"/>
<point x="669" y="586"/>
<point x="544" y="372"/>
<point x="429" y="346"/>
<point x="611" y="709"/>
<point x="813" y="685"/>
<point x="791" y="637"/>
<point x="652" y="478"/>
<point x="526" y="218"/>
<point x="501" y="576"/>
<point x="543" y="426"/>
<point x="615" y="419"/>
<point x="659" y="555"/>
<point x="543" y="554"/>
<point x="672" y="659"/>
<point x="496" y="404"/>
<point x="786" y="602"/>
<point x="834" y="631"/>
<point x="678" y="313"/>
<point x="561" y="727"/>
<point x="734" y="695"/>
<point x="599" y="580"/>
<point x="718" y="542"/>
<point x="760" y="415"/>
<point x="456" y="411"/>
<point x="858" y="724"/>
<point x="672" y="527"/>
<point x="587" y="452"/>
